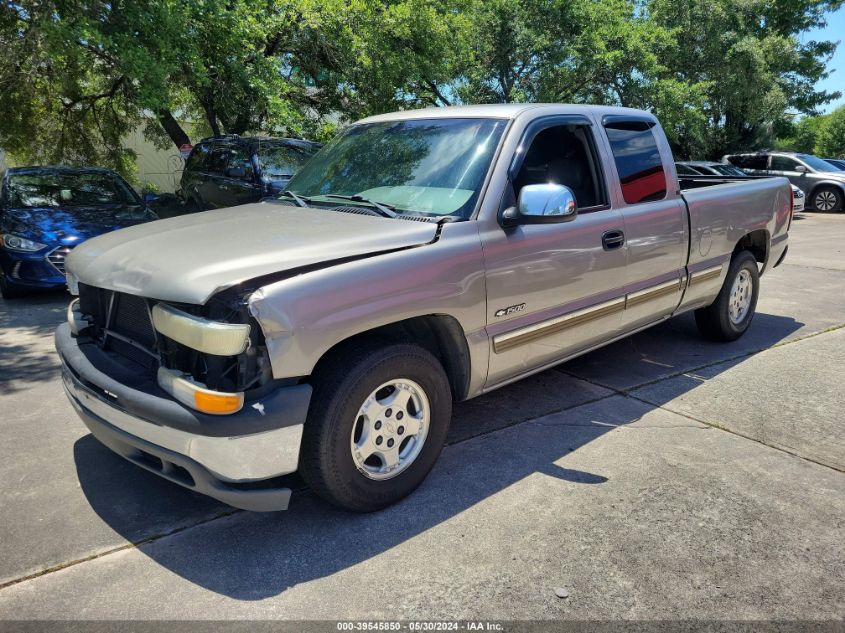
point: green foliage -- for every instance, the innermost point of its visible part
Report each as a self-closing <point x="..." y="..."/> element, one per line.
<point x="81" y="74"/>
<point x="747" y="58"/>
<point x="802" y="135"/>
<point x="831" y="137"/>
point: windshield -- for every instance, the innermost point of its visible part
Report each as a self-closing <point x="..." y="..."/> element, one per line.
<point x="814" y="162"/>
<point x="57" y="189"/>
<point x="283" y="161"/>
<point x="726" y="170"/>
<point x="429" y="166"/>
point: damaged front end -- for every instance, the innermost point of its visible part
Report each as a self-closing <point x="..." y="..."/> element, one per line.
<point x="185" y="391"/>
<point x="208" y="357"/>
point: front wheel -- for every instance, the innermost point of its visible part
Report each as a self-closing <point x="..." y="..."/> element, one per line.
<point x="9" y="290"/>
<point x="727" y="318"/>
<point x="377" y="424"/>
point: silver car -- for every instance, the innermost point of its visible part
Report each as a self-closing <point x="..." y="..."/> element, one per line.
<point x="712" y="168"/>
<point x="823" y="183"/>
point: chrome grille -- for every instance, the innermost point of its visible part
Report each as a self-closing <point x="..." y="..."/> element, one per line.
<point x="57" y="256"/>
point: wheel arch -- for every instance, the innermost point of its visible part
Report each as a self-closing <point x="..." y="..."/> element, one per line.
<point x="440" y="334"/>
<point x="824" y="183"/>
<point x="758" y="242"/>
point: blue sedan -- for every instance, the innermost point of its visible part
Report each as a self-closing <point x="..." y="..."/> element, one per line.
<point x="46" y="211"/>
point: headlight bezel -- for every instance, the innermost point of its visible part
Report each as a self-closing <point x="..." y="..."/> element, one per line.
<point x="23" y="245"/>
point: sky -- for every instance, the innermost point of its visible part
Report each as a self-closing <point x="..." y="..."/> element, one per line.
<point x="835" y="30"/>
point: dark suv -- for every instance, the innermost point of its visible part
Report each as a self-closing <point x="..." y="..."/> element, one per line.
<point x="821" y="181"/>
<point x="225" y="171"/>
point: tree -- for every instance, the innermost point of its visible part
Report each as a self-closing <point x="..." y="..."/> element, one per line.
<point x="81" y="74"/>
<point x="802" y="135"/>
<point x="746" y="56"/>
<point x="86" y="73"/>
<point x="830" y="141"/>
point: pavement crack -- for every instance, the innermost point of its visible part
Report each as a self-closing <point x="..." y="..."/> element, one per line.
<point x="832" y="270"/>
<point x="716" y="425"/>
<point x="119" y="548"/>
<point x="627" y="390"/>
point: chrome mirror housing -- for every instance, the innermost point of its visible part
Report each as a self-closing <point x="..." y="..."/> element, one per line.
<point x="541" y="204"/>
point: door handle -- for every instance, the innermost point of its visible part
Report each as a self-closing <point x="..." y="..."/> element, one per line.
<point x="613" y="239"/>
<point x="224" y="187"/>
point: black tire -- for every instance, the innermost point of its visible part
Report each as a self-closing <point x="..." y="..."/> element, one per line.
<point x="828" y="199"/>
<point x="715" y="322"/>
<point x="10" y="291"/>
<point x="192" y="206"/>
<point x="341" y="387"/>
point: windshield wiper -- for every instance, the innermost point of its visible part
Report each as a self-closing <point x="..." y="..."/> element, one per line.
<point x="385" y="210"/>
<point x="300" y="201"/>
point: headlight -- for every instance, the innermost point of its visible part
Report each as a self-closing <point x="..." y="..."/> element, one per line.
<point x="211" y="337"/>
<point x="17" y="243"/>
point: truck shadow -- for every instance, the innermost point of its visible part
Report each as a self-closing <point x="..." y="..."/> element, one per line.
<point x="251" y="556"/>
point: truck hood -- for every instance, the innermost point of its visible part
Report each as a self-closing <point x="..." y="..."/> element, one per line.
<point x="191" y="257"/>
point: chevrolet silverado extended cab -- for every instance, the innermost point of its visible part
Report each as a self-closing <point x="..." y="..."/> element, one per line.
<point x="420" y="258"/>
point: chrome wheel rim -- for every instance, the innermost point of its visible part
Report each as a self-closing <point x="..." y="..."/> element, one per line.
<point x="390" y="429"/>
<point x="740" y="299"/>
<point x="825" y="201"/>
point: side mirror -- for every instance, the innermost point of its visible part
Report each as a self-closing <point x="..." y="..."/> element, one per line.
<point x="801" y="169"/>
<point x="541" y="204"/>
<point x="236" y="172"/>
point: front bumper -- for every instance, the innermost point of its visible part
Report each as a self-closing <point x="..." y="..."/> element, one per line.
<point x="30" y="270"/>
<point x="233" y="458"/>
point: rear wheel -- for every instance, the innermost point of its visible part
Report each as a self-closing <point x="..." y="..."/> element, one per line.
<point x="827" y="199"/>
<point x="377" y="423"/>
<point x="729" y="316"/>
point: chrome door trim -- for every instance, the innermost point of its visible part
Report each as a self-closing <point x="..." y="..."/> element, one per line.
<point x="653" y="292"/>
<point x="707" y="274"/>
<point x="530" y="333"/>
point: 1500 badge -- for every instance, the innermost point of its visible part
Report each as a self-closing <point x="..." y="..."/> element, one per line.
<point x="509" y="310"/>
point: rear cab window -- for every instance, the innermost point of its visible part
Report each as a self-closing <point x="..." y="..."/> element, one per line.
<point x="637" y="159"/>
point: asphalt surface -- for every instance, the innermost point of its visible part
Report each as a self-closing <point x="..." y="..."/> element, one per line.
<point x="660" y="477"/>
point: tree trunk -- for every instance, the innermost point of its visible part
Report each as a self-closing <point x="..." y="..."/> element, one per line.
<point x="173" y="129"/>
<point x="211" y="117"/>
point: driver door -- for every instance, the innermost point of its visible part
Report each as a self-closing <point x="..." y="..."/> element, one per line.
<point x="555" y="289"/>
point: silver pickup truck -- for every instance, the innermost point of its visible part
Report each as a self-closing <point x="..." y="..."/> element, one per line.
<point x="420" y="258"/>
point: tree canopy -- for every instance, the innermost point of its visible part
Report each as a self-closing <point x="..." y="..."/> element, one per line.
<point x="79" y="75"/>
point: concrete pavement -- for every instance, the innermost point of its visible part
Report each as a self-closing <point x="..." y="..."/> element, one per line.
<point x="661" y="477"/>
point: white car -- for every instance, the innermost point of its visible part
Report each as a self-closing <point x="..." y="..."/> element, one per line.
<point x="797" y="199"/>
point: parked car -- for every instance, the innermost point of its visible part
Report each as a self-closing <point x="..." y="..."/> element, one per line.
<point x="421" y="257"/>
<point x="836" y="162"/>
<point x="225" y="171"/>
<point x="712" y="168"/>
<point x="823" y="184"/>
<point x="47" y="211"/>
